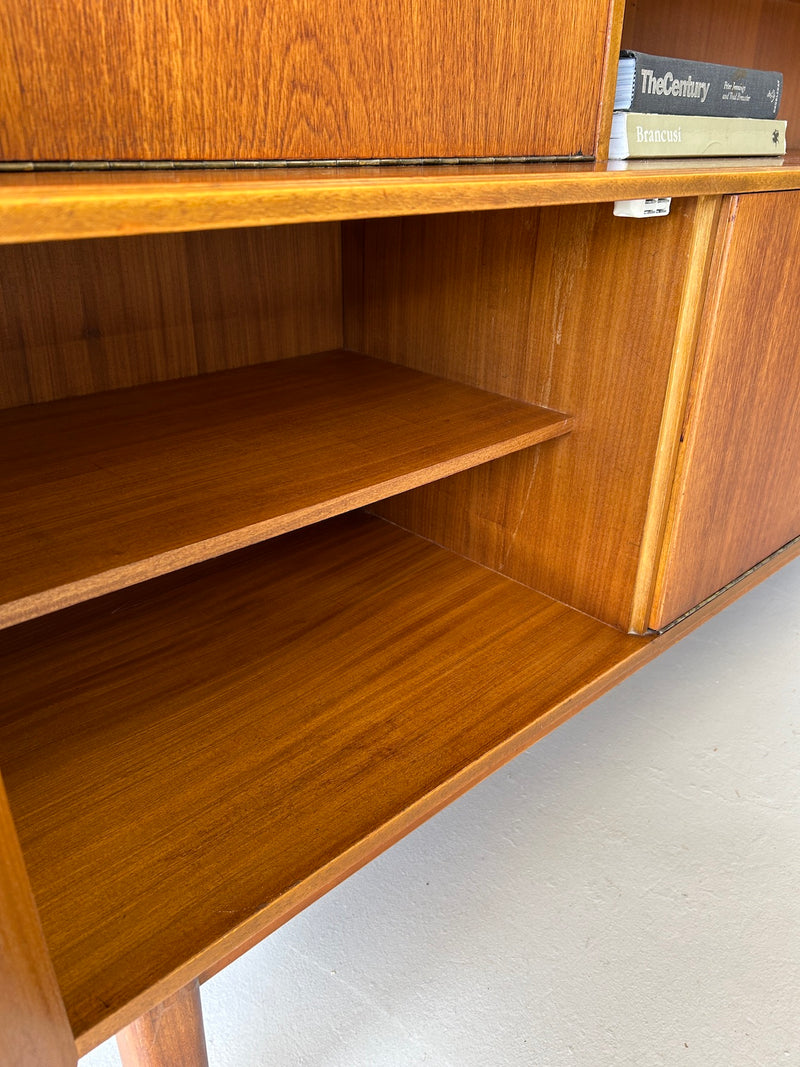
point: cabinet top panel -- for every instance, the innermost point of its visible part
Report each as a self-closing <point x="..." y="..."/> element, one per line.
<point x="59" y="205"/>
<point x="293" y="79"/>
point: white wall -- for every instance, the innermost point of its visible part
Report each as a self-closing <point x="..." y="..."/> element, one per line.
<point x="627" y="892"/>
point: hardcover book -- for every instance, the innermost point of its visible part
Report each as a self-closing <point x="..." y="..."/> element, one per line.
<point x="663" y="86"/>
<point x="640" y="136"/>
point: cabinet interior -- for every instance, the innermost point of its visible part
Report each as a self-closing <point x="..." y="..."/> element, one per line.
<point x="760" y="34"/>
<point x="116" y="425"/>
<point x="170" y="399"/>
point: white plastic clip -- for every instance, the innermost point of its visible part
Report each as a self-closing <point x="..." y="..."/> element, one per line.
<point x="643" y="209"/>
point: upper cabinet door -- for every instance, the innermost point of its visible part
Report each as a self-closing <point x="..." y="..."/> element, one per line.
<point x="737" y="490"/>
<point x="301" y="79"/>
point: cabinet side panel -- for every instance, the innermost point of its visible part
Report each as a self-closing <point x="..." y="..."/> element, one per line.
<point x="83" y="316"/>
<point x="568" y="307"/>
<point x="609" y="81"/>
<point x="34" y="1030"/>
<point x="737" y="495"/>
<point x="299" y="79"/>
<point x="762" y="34"/>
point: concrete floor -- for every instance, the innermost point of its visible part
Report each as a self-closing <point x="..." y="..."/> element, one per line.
<point x="626" y="893"/>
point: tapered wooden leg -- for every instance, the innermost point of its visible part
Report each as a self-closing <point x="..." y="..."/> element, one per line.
<point x="170" y="1035"/>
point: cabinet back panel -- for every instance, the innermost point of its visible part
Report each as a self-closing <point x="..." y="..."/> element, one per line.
<point x="300" y="79"/>
<point x="83" y="316"/>
<point x="570" y="308"/>
<point x="764" y="34"/>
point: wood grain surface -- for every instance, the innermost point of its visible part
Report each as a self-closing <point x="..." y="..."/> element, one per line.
<point x="687" y="329"/>
<point x="737" y="492"/>
<point x="763" y="34"/>
<point x="102" y="491"/>
<point x="353" y="680"/>
<point x="83" y="316"/>
<point x="57" y="206"/>
<point x="191" y="761"/>
<point x="297" y="79"/>
<point x="169" y="1035"/>
<point x="34" y="1029"/>
<point x="582" y="307"/>
<point x="653" y="646"/>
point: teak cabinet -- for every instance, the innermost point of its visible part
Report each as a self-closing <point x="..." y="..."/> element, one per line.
<point x="328" y="489"/>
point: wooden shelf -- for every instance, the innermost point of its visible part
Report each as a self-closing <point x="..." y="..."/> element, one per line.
<point x="191" y="762"/>
<point x="99" y="495"/>
<point x="41" y="206"/>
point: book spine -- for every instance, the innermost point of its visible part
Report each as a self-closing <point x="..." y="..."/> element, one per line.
<point x="682" y="87"/>
<point x="638" y="136"/>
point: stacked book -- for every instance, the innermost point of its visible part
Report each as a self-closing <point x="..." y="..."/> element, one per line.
<point x="677" y="107"/>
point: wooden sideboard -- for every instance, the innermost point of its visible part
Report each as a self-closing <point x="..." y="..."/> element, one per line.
<point x="329" y="489"/>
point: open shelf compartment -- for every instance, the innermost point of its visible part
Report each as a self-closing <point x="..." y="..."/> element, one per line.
<point x="191" y="761"/>
<point x="97" y="496"/>
<point x="759" y="34"/>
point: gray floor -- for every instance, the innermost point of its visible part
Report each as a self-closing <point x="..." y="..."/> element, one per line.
<point x="627" y="892"/>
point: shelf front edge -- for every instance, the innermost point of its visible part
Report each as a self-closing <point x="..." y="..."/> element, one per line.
<point x="52" y="206"/>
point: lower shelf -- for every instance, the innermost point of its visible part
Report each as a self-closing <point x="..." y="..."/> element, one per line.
<point x="192" y="761"/>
